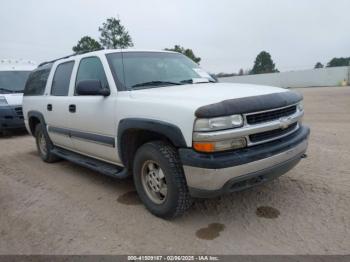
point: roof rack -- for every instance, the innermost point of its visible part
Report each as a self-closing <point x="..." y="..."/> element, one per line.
<point x="80" y="53"/>
<point x="52" y="61"/>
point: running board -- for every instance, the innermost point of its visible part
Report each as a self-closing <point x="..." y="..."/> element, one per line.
<point x="91" y="163"/>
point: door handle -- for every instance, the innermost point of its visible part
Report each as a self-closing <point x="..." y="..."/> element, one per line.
<point x="72" y="108"/>
<point x="49" y="107"/>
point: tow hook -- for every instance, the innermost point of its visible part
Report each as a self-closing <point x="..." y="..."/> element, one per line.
<point x="304" y="156"/>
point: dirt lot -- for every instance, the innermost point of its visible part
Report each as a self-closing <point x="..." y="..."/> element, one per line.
<point x="62" y="208"/>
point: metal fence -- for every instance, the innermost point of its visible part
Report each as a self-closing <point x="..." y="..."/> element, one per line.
<point x="332" y="76"/>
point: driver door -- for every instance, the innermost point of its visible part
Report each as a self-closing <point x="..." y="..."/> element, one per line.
<point x="92" y="117"/>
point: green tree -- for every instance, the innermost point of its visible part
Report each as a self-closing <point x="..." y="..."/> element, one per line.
<point x="114" y="34"/>
<point x="341" y="61"/>
<point x="187" y="52"/>
<point x="263" y="64"/>
<point x="318" y="65"/>
<point x="86" y="44"/>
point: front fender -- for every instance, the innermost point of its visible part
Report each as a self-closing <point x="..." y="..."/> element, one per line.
<point x="167" y="129"/>
<point x="172" y="132"/>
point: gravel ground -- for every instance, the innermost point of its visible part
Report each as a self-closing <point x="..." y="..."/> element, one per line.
<point x="62" y="208"/>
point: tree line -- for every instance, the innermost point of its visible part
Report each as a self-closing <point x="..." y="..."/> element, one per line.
<point x="336" y="61"/>
<point x="114" y="35"/>
<point x="264" y="64"/>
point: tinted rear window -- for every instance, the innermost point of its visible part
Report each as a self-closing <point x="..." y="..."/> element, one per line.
<point x="61" y="79"/>
<point x="36" y="83"/>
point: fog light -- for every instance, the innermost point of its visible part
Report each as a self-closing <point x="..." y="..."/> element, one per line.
<point x="217" y="146"/>
<point x="230" y="144"/>
<point x="3" y="100"/>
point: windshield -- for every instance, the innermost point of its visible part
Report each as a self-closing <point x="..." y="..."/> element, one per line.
<point x="139" y="70"/>
<point x="13" y="81"/>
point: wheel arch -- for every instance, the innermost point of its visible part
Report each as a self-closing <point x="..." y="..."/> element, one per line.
<point x="134" y="132"/>
<point x="34" y="118"/>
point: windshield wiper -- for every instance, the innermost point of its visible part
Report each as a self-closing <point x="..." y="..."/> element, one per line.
<point x="156" y="83"/>
<point x="6" y="90"/>
<point x="190" y="81"/>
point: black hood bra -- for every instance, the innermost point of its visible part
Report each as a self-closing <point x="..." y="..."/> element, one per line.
<point x="249" y="104"/>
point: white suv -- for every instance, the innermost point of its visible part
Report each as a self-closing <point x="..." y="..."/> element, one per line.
<point x="158" y="117"/>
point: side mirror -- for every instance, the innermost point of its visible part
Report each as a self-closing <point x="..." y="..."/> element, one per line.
<point x="91" y="87"/>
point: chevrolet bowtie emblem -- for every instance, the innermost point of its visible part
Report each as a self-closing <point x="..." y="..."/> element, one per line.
<point x="285" y="122"/>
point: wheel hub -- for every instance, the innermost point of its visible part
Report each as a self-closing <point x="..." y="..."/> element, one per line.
<point x="42" y="144"/>
<point x="154" y="183"/>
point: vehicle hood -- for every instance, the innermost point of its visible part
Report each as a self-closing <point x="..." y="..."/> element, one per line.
<point x="196" y="95"/>
<point x="13" y="99"/>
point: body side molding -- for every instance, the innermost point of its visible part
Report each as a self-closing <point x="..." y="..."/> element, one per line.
<point x="95" y="138"/>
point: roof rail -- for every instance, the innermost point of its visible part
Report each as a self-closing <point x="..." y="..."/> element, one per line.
<point x="79" y="53"/>
<point x="52" y="61"/>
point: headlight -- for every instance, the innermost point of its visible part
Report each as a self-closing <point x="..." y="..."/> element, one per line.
<point x="218" y="123"/>
<point x="300" y="106"/>
<point x="215" y="124"/>
<point x="3" y="100"/>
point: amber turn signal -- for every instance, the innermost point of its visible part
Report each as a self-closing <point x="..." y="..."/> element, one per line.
<point x="204" y="146"/>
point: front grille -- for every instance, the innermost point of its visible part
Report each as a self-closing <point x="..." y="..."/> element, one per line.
<point x="270" y="115"/>
<point x="19" y="112"/>
<point x="271" y="134"/>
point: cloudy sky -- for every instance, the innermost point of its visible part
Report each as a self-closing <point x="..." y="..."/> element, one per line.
<point x="226" y="34"/>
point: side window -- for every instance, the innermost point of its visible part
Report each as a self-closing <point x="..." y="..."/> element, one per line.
<point x="61" y="79"/>
<point x="91" y="68"/>
<point x="36" y="83"/>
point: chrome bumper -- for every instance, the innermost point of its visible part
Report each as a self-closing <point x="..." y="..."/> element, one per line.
<point x="207" y="182"/>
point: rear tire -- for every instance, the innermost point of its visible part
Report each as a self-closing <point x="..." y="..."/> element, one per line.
<point x="160" y="181"/>
<point x="44" y="145"/>
<point x="4" y="133"/>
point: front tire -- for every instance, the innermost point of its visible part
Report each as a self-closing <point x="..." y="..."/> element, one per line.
<point x="160" y="181"/>
<point x="44" y="145"/>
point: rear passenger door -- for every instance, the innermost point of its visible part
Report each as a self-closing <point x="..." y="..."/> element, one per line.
<point x="57" y="106"/>
<point x="93" y="120"/>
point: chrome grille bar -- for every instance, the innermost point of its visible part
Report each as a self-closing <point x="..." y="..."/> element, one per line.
<point x="247" y="129"/>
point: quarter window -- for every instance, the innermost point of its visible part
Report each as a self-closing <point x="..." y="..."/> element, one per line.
<point x="91" y="68"/>
<point x="61" y="80"/>
<point x="36" y="83"/>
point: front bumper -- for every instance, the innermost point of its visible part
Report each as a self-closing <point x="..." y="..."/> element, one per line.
<point x="210" y="175"/>
<point x="11" y="117"/>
